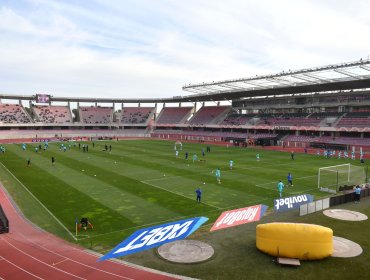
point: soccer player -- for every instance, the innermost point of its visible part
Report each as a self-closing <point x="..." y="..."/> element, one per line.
<point x="345" y="154"/>
<point x="53" y="160"/>
<point x="258" y="157"/>
<point x="353" y="155"/>
<point x="177" y="153"/>
<point x="85" y="223"/>
<point x="339" y="154"/>
<point x="198" y="191"/>
<point x="231" y="163"/>
<point x="318" y="153"/>
<point x="186" y="155"/>
<point x="290" y="179"/>
<point x="280" y="187"/>
<point x="195" y="158"/>
<point x="218" y="175"/>
<point x="29" y="162"/>
<point x="292" y="155"/>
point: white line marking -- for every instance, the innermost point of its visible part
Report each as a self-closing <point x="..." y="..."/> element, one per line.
<point x="80" y="263"/>
<point x="60" y="261"/>
<point x="13" y="264"/>
<point x="158" y="187"/>
<point x="47" y="210"/>
<point x="264" y="184"/>
<point x="36" y="259"/>
<point x="227" y="170"/>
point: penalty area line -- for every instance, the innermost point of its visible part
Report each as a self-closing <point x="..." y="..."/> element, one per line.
<point x="42" y="205"/>
<point x="299" y="178"/>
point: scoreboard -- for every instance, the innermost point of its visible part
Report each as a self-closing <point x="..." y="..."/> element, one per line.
<point x="42" y="98"/>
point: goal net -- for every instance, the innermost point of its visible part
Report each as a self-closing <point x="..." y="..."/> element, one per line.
<point x="331" y="178"/>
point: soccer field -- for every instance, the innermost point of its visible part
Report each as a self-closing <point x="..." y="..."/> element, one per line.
<point x="141" y="183"/>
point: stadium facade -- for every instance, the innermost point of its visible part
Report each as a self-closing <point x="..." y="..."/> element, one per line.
<point x="326" y="106"/>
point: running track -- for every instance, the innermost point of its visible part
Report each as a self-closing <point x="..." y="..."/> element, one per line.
<point x="27" y="252"/>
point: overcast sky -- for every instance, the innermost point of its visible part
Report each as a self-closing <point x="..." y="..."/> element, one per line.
<point x="151" y="48"/>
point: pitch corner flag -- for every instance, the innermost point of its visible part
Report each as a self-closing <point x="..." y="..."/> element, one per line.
<point x="76" y="225"/>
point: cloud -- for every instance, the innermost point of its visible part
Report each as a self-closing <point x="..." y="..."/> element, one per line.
<point x="152" y="48"/>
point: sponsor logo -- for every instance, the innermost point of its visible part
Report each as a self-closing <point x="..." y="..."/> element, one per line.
<point x="155" y="236"/>
<point x="288" y="203"/>
<point x="239" y="216"/>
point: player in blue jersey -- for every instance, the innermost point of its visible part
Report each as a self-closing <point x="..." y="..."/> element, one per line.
<point x="290" y="179"/>
<point x="198" y="191"/>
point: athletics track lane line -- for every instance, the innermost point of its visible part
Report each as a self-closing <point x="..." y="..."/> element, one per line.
<point x="11" y="269"/>
<point x="20" y="225"/>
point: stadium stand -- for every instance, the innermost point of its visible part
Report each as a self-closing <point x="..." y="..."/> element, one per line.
<point x="236" y="119"/>
<point x="355" y="119"/>
<point x="215" y="134"/>
<point x="209" y="114"/>
<point x="280" y="108"/>
<point x="13" y="113"/>
<point x="173" y="115"/>
<point x="136" y="115"/>
<point x="53" y="114"/>
<point x="297" y="119"/>
<point x="96" y="115"/>
<point x="329" y="140"/>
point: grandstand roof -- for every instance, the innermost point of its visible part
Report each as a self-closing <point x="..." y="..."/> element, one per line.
<point x="336" y="77"/>
<point x="353" y="75"/>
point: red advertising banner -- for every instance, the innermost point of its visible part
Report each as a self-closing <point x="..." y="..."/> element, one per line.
<point x="239" y="216"/>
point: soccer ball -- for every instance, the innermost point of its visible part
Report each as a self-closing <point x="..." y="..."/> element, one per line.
<point x="204" y="183"/>
<point x="95" y="175"/>
<point x="164" y="174"/>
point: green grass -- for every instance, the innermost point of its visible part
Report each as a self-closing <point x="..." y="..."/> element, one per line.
<point x="141" y="183"/>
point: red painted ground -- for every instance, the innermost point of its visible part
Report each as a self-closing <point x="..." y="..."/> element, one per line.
<point x="27" y="252"/>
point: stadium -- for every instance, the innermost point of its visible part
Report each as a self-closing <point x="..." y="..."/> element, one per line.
<point x="113" y="161"/>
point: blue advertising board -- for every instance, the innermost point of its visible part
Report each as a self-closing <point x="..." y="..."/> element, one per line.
<point x="155" y="236"/>
<point x="292" y="202"/>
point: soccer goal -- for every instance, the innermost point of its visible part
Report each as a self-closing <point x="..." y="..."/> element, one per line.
<point x="330" y="178"/>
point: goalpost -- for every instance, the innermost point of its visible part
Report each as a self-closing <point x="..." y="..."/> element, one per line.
<point x="330" y="178"/>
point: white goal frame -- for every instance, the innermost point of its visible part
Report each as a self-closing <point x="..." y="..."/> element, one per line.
<point x="354" y="176"/>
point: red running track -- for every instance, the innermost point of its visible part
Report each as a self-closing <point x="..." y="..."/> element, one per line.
<point x="27" y="252"/>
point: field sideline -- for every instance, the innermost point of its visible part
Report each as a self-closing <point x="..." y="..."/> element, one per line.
<point x="141" y="183"/>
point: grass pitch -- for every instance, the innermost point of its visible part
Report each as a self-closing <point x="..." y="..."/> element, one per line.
<point x="141" y="183"/>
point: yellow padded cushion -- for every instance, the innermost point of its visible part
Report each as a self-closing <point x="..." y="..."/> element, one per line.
<point x="292" y="240"/>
